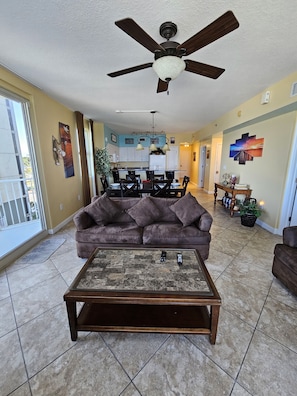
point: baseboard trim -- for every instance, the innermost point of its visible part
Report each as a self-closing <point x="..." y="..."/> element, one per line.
<point x="52" y="231"/>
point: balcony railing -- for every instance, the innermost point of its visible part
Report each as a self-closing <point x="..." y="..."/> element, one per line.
<point x="18" y="202"/>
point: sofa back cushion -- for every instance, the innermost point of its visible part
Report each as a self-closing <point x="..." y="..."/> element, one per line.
<point x="187" y="209"/>
<point x="144" y="212"/>
<point x="103" y="210"/>
<point x="163" y="205"/>
<point x="124" y="204"/>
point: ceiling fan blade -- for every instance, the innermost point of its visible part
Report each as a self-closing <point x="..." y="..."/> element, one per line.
<point x="162" y="86"/>
<point x="225" y="24"/>
<point x="203" y="69"/>
<point x="130" y="70"/>
<point x="130" y="27"/>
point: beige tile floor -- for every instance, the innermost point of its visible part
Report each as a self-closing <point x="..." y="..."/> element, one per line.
<point x="255" y="353"/>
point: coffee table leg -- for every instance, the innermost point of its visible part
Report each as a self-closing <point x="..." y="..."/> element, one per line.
<point x="214" y="318"/>
<point x="72" y="318"/>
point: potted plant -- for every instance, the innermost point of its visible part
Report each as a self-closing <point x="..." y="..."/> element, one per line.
<point x="249" y="212"/>
<point x="102" y="161"/>
<point x="102" y="165"/>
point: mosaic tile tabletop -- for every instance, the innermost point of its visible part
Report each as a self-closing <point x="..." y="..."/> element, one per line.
<point x="141" y="270"/>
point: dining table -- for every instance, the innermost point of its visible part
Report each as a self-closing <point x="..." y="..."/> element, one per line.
<point x="114" y="190"/>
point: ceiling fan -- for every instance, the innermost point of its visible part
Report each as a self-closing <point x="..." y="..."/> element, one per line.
<point x="168" y="63"/>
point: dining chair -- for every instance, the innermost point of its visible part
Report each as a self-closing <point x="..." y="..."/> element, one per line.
<point x="158" y="176"/>
<point x="161" y="189"/>
<point x="104" y="183"/>
<point x="129" y="188"/>
<point x="186" y="180"/>
<point x="169" y="175"/>
<point x="132" y="177"/>
<point x="116" y="176"/>
<point x="150" y="174"/>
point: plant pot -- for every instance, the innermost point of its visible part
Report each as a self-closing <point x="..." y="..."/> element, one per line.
<point x="248" y="220"/>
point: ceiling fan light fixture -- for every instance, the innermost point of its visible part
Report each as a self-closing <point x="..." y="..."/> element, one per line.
<point x="168" y="67"/>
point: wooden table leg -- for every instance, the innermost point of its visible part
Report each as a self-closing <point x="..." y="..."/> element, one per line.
<point x="72" y="318"/>
<point x="214" y="319"/>
<point x="215" y="194"/>
<point x="233" y="200"/>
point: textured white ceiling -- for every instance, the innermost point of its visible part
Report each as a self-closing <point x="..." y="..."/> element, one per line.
<point x="67" y="47"/>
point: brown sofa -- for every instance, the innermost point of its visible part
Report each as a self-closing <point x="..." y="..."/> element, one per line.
<point x="167" y="222"/>
<point x="285" y="259"/>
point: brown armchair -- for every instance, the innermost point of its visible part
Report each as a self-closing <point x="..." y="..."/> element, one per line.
<point x="285" y="259"/>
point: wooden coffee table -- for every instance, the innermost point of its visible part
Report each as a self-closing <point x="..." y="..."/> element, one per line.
<point x="131" y="290"/>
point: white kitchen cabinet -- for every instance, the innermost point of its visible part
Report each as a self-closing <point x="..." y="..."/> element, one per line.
<point x="130" y="154"/>
<point x="113" y="152"/>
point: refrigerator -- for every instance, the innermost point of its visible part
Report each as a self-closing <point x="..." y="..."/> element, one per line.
<point x="157" y="162"/>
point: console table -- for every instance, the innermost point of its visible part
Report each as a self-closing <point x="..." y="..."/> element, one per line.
<point x="233" y="192"/>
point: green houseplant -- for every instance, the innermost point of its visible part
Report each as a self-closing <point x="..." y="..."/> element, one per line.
<point x="102" y="165"/>
<point x="249" y="211"/>
<point x="102" y="162"/>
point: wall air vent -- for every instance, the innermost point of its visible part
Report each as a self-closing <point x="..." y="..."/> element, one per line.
<point x="294" y="89"/>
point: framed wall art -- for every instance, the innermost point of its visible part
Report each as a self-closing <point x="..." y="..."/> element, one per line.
<point x="114" y="138"/>
<point x="66" y="147"/>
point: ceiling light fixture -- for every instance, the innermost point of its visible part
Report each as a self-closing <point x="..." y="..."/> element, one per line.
<point x="168" y="67"/>
<point x="166" y="146"/>
<point x="139" y="146"/>
<point x="134" y="111"/>
<point x="153" y="146"/>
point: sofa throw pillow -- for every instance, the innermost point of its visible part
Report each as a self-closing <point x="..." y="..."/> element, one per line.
<point x="145" y="212"/>
<point x="187" y="209"/>
<point x="103" y="210"/>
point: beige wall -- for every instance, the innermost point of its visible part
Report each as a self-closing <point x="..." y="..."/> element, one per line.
<point x="46" y="114"/>
<point x="266" y="175"/>
<point x="276" y="123"/>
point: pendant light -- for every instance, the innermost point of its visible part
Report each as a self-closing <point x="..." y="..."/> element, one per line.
<point x="153" y="146"/>
<point x="166" y="146"/>
<point x="139" y="146"/>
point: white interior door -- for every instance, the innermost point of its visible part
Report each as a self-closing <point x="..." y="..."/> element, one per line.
<point x="172" y="157"/>
<point x="218" y="162"/>
<point x="184" y="161"/>
<point x="202" y="164"/>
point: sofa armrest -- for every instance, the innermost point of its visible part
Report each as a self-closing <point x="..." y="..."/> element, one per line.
<point x="205" y="221"/>
<point x="82" y="220"/>
<point x="290" y="236"/>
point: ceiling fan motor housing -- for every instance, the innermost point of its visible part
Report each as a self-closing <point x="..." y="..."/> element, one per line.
<point x="168" y="30"/>
<point x="170" y="49"/>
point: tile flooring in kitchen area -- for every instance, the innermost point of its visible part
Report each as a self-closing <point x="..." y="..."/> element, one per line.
<point x="255" y="352"/>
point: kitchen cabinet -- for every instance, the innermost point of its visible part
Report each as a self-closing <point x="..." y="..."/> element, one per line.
<point x="129" y="154"/>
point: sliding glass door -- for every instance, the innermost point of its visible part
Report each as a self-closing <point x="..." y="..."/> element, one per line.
<point x="21" y="209"/>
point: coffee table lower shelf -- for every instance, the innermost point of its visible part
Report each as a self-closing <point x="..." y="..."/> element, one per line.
<point x="144" y="318"/>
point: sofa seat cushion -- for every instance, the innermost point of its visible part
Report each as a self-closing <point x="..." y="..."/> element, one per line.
<point x="287" y="255"/>
<point x="113" y="233"/>
<point x="164" y="233"/>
